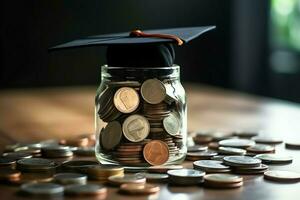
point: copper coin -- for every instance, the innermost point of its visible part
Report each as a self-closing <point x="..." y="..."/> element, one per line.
<point x="7" y="174"/>
<point x="133" y="188"/>
<point x="156" y="152"/>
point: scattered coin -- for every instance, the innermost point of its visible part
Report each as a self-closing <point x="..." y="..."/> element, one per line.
<point x="79" y="142"/>
<point x="44" y="189"/>
<point x="8" y="174"/>
<point x="274" y="158"/>
<point x="86" y="190"/>
<point x="16" y="155"/>
<point x="261" y="148"/>
<point x="7" y="161"/>
<point x="36" y="165"/>
<point x="136" y="128"/>
<point x="186" y="176"/>
<point x="202" y="137"/>
<point x="70" y="178"/>
<point x="250" y="170"/>
<point x="36" y="177"/>
<point x="77" y="165"/>
<point x="155" y="177"/>
<point x="211" y="166"/>
<point x="111" y="135"/>
<point x="203" y="155"/>
<point x="245" y="134"/>
<point x="196" y="148"/>
<point x="267" y="140"/>
<point x="127" y="178"/>
<point x="163" y="168"/>
<point x="223" y="181"/>
<point x="135" y="189"/>
<point x="102" y="172"/>
<point x="153" y="91"/>
<point x="172" y="124"/>
<point x="126" y="99"/>
<point x="156" y="152"/>
<point x="282" y="176"/>
<point x="237" y="143"/>
<point x="292" y="145"/>
<point x="241" y="161"/>
<point x="85" y="151"/>
<point x="56" y="152"/>
<point x="231" y="151"/>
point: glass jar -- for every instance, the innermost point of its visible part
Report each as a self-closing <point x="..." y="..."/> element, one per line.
<point x="140" y="116"/>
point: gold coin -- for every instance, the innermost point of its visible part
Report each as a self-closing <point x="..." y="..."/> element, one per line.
<point x="126" y="100"/>
<point x="153" y="91"/>
<point x="133" y="188"/>
<point x="136" y="128"/>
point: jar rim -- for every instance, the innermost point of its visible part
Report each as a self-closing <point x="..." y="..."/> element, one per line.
<point x="174" y="66"/>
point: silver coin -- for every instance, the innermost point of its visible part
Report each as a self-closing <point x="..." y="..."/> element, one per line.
<point x="245" y="134"/>
<point x="186" y="176"/>
<point x="261" y="148"/>
<point x="153" y="91"/>
<point x="241" y="161"/>
<point x="196" y="148"/>
<point x="238" y="143"/>
<point x="42" y="189"/>
<point x="210" y="165"/>
<point x="70" y="178"/>
<point x="267" y="140"/>
<point x="223" y="178"/>
<point x="274" y="158"/>
<point x="138" y="178"/>
<point x="17" y="155"/>
<point x="35" y="164"/>
<point x="172" y="124"/>
<point x="7" y="161"/>
<point x="56" y="151"/>
<point x="136" y="128"/>
<point x="85" y="190"/>
<point x="292" y="145"/>
<point x="155" y="177"/>
<point x="231" y="151"/>
<point x="282" y="176"/>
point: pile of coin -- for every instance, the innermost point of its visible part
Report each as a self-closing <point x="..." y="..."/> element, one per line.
<point x="186" y="176"/>
<point x="144" y="123"/>
<point x="223" y="181"/>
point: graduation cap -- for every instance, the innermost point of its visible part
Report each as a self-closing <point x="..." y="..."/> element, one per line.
<point x="138" y="48"/>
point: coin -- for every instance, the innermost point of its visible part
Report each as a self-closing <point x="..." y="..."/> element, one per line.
<point x="202" y="137"/>
<point x="102" y="172"/>
<point x="77" y="165"/>
<point x="163" y="168"/>
<point x="223" y="178"/>
<point x="56" y="152"/>
<point x="85" y="190"/>
<point x="203" y="155"/>
<point x="7" y="174"/>
<point x="42" y="189"/>
<point x="245" y="134"/>
<point x="153" y="91"/>
<point x="196" y="148"/>
<point x="70" y="178"/>
<point x="135" y="189"/>
<point x="17" y="155"/>
<point x="274" y="158"/>
<point x="85" y="151"/>
<point x="261" y="148"/>
<point x="36" y="177"/>
<point x="126" y="99"/>
<point x="211" y="166"/>
<point x="241" y="161"/>
<point x="111" y="135"/>
<point x="155" y="177"/>
<point x="292" y="145"/>
<point x="185" y="176"/>
<point x="36" y="165"/>
<point x="172" y="124"/>
<point x="231" y="151"/>
<point x="156" y="152"/>
<point x="127" y="178"/>
<point x="267" y="140"/>
<point x="250" y="170"/>
<point x="79" y="142"/>
<point x="282" y="176"/>
<point x="237" y="143"/>
<point x="136" y="128"/>
<point x="6" y="161"/>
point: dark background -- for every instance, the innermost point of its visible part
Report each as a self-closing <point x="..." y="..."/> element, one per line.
<point x="235" y="55"/>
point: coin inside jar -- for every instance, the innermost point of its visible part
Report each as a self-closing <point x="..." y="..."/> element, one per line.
<point x="136" y="128"/>
<point x="153" y="91"/>
<point x="126" y="100"/>
<point x="111" y="135"/>
<point x="171" y="124"/>
<point x="156" y="152"/>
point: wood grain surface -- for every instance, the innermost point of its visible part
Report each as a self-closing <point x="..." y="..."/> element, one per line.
<point x="30" y="115"/>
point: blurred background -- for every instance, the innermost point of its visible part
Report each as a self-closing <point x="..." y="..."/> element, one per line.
<point x="255" y="48"/>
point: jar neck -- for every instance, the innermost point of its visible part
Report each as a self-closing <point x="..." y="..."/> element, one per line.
<point x="110" y="73"/>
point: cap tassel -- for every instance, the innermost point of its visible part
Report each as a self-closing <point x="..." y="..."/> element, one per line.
<point x="139" y="33"/>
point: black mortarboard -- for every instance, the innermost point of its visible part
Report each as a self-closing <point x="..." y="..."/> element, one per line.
<point x="147" y="48"/>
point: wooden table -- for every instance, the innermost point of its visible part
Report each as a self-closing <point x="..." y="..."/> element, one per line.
<point x="30" y="115"/>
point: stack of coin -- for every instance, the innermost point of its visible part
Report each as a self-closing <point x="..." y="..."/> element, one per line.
<point x="79" y="190"/>
<point x="57" y="151"/>
<point x="137" y="114"/>
<point x="202" y="155"/>
<point x="186" y="176"/>
<point x="244" y="164"/>
<point x="127" y="178"/>
<point x="271" y="158"/>
<point x="211" y="166"/>
<point x="223" y="181"/>
<point x="36" y="165"/>
<point x="102" y="172"/>
<point x="70" y="178"/>
<point x="77" y="165"/>
<point x="139" y="189"/>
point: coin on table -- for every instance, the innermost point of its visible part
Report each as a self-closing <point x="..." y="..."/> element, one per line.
<point x="163" y="168"/>
<point x="282" y="176"/>
<point x="172" y="124"/>
<point x="211" y="166"/>
<point x="241" y="161"/>
<point x="202" y="155"/>
<point x="292" y="145"/>
<point x="8" y="174"/>
<point x="136" y="128"/>
<point x="126" y="99"/>
<point x="156" y="152"/>
<point x="111" y="135"/>
<point x="186" y="176"/>
<point x="153" y="91"/>
<point x="17" y="155"/>
<point x="70" y="178"/>
<point x="223" y="181"/>
<point x="57" y="152"/>
<point x="102" y="172"/>
<point x="155" y="177"/>
<point x="85" y="190"/>
<point x="237" y="143"/>
<point x="274" y="158"/>
<point x="36" y="165"/>
<point x="85" y="151"/>
<point x="261" y="148"/>
<point x="77" y="165"/>
<point x="7" y="161"/>
<point x="231" y="151"/>
<point x="245" y="134"/>
<point x="250" y="170"/>
<point x="136" y="189"/>
<point x="267" y="140"/>
<point x="127" y="178"/>
<point x="196" y="148"/>
<point x="45" y="189"/>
